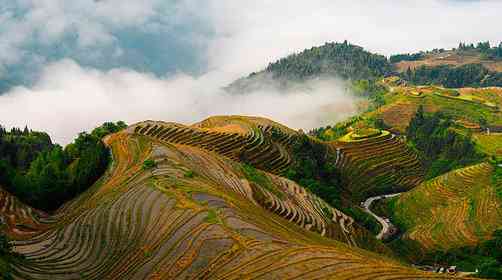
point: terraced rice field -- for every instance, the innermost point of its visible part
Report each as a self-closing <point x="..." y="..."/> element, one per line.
<point x="450" y="58"/>
<point x="471" y="104"/>
<point x="18" y="220"/>
<point x="370" y="165"/>
<point x="193" y="216"/>
<point x="377" y="165"/>
<point x="457" y="209"/>
<point x="261" y="145"/>
<point x="398" y="115"/>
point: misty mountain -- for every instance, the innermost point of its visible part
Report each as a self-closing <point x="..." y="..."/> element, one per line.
<point x="335" y="60"/>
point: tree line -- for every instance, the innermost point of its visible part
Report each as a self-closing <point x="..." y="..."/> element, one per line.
<point x="338" y="59"/>
<point x="45" y="175"/>
<point x="487" y="51"/>
<point x="468" y="75"/>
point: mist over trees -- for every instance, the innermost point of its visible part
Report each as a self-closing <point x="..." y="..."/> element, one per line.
<point x="340" y="60"/>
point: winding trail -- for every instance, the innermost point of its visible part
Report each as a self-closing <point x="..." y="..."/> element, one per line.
<point x="386" y="225"/>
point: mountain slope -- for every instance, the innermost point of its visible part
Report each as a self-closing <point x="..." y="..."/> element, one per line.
<point x="376" y="165"/>
<point x="197" y="214"/>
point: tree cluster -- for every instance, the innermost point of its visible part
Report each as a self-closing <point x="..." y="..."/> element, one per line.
<point x="44" y="175"/>
<point x="441" y="148"/>
<point x="334" y="59"/>
<point x="484" y="48"/>
<point x="313" y="168"/>
<point x="7" y="257"/>
<point x="468" y="75"/>
<point x="406" y="57"/>
<point x="486" y="257"/>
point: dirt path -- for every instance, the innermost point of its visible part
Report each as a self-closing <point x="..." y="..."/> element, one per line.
<point x="386" y="225"/>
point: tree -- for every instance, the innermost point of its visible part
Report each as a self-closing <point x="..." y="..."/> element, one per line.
<point x="44" y="175"/>
<point x="440" y="147"/>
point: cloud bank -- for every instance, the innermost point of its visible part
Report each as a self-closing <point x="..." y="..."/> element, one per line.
<point x="68" y="99"/>
<point x="78" y="63"/>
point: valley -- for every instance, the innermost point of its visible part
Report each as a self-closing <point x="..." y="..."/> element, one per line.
<point x="410" y="184"/>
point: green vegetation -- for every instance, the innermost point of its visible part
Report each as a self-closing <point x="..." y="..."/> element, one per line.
<point x="370" y="89"/>
<point x="342" y="60"/>
<point x="454" y="210"/>
<point x="189" y="174"/>
<point x="18" y="148"/>
<point x="484" y="48"/>
<point x="212" y="217"/>
<point x="486" y="257"/>
<point x="313" y="168"/>
<point x="48" y="175"/>
<point x="490" y="144"/>
<point x="468" y="75"/>
<point x="6" y="257"/>
<point x="406" y="57"/>
<point x="259" y="178"/>
<point x="441" y="148"/>
<point x="330" y="133"/>
<point x="365" y="133"/>
<point x="497" y="179"/>
<point x="337" y="59"/>
<point x="149" y="164"/>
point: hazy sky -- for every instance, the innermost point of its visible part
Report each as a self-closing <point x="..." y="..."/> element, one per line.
<point x="81" y="62"/>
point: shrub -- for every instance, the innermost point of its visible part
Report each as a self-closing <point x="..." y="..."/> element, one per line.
<point x="189" y="174"/>
<point x="260" y="179"/>
<point x="148" y="164"/>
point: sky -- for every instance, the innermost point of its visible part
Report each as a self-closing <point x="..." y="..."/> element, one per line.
<point x="68" y="66"/>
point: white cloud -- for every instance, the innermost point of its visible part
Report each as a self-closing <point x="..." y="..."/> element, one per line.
<point x="46" y="22"/>
<point x="257" y="32"/>
<point x="235" y="38"/>
<point x="69" y="99"/>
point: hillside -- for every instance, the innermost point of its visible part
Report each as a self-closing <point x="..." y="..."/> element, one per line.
<point x="331" y="60"/>
<point x="171" y="209"/>
<point x="457" y="209"/>
<point x="466" y="66"/>
<point x="470" y="107"/>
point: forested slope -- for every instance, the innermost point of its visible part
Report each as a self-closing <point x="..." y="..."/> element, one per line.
<point x="331" y="60"/>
